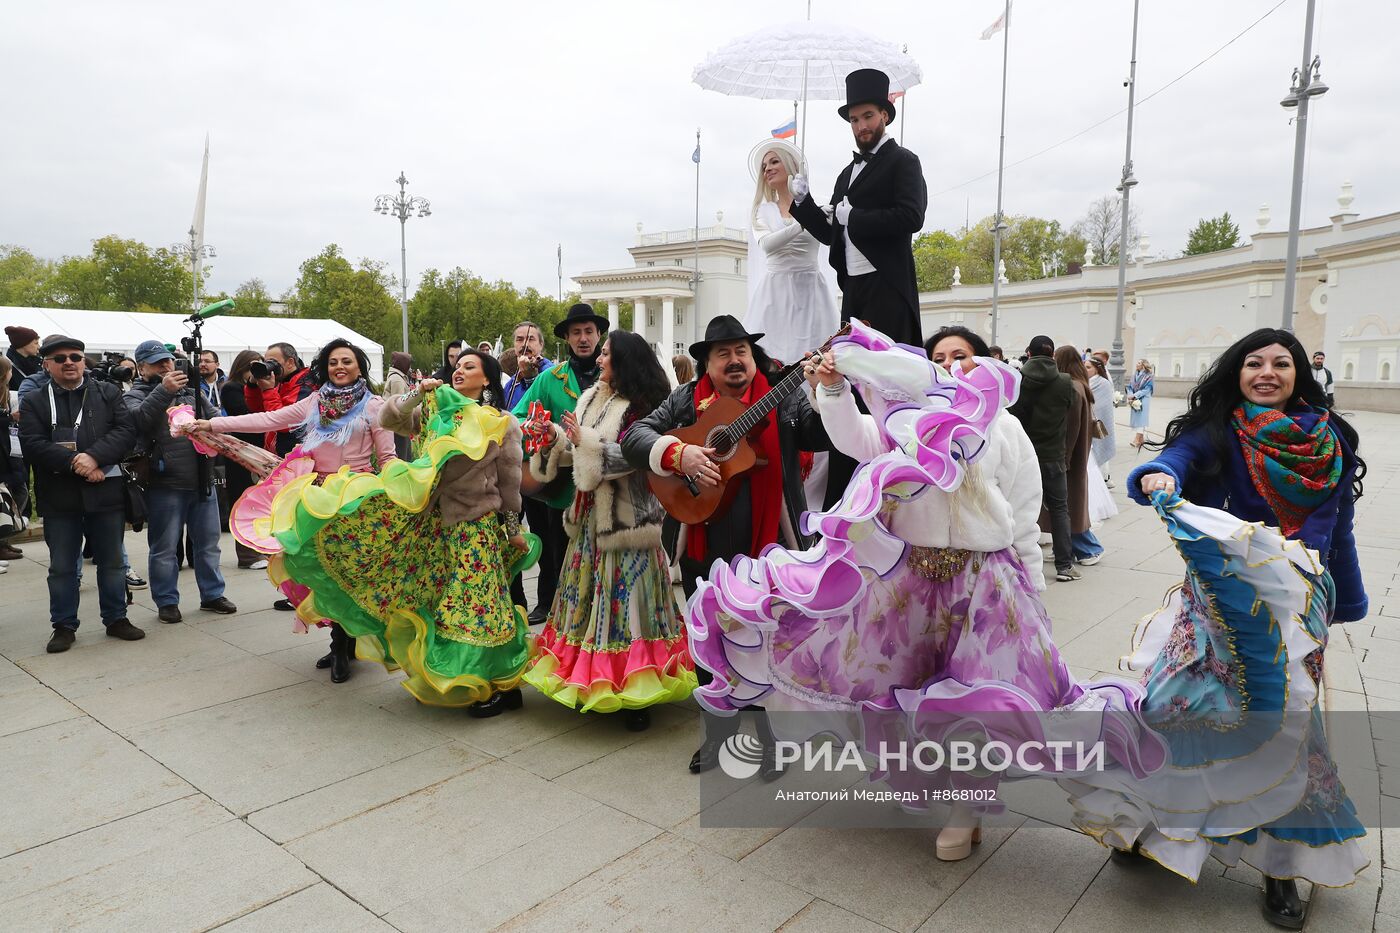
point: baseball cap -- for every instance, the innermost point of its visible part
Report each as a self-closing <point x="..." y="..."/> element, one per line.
<point x="151" y="351"/>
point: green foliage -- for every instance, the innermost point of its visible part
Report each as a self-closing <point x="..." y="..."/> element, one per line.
<point x="1029" y="245"/>
<point x="251" y="299"/>
<point x="118" y="275"/>
<point x="1214" y="234"/>
<point x="126" y="275"/>
<point x="23" y="278"/>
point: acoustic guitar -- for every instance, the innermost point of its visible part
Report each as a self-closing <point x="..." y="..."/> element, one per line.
<point x="725" y="425"/>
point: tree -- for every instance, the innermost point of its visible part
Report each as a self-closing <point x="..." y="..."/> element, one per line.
<point x="1214" y="234"/>
<point x="1026" y="243"/>
<point x="138" y="278"/>
<point x="936" y="255"/>
<point x="312" y="294"/>
<point x="358" y="297"/>
<point x="1101" y="228"/>
<point x="23" y="278"/>
<point x="251" y="299"/>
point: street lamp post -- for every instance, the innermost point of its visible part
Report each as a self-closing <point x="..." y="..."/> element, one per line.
<point x="1307" y="84"/>
<point x="402" y="207"/>
<point x="196" y="255"/>
<point x="1116" y="366"/>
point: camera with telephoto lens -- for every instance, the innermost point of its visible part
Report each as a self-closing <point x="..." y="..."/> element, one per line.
<point x="110" y="368"/>
<point x="261" y="369"/>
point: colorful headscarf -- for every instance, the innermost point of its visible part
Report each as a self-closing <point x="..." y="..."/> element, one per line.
<point x="1295" y="468"/>
<point x="338" y="409"/>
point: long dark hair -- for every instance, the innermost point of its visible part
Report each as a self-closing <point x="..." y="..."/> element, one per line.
<point x="242" y="365"/>
<point x="1215" y="397"/>
<point x="978" y="345"/>
<point x="492" y="368"/>
<point x="319" y="366"/>
<point x="637" y="376"/>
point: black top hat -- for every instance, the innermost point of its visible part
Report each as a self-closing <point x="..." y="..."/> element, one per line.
<point x="724" y="328"/>
<point x="867" y="86"/>
<point x="580" y="314"/>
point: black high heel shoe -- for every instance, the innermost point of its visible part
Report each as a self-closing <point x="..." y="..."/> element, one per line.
<point x="1282" y="906"/>
<point x="498" y="704"/>
<point x="636" y="720"/>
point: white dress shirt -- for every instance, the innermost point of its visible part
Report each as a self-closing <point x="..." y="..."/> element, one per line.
<point x="856" y="263"/>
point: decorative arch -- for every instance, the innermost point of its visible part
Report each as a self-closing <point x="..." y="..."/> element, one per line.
<point x="1383" y="329"/>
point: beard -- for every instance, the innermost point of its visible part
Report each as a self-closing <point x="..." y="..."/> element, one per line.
<point x="875" y="137"/>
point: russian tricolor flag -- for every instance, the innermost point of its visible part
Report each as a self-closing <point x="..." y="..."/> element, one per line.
<point x="787" y="131"/>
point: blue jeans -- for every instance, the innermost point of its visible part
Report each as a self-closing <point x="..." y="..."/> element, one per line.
<point x="64" y="535"/>
<point x="1084" y="544"/>
<point x="169" y="513"/>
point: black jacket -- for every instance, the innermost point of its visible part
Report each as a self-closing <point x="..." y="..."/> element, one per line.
<point x="21" y="366"/>
<point x="888" y="203"/>
<point x="799" y="428"/>
<point x="1043" y="407"/>
<point x="107" y="434"/>
<point x="174" y="461"/>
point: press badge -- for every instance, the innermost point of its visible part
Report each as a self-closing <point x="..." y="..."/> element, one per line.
<point x="67" y="438"/>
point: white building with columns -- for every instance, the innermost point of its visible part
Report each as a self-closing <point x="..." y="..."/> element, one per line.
<point x="668" y="310"/>
<point x="1181" y="313"/>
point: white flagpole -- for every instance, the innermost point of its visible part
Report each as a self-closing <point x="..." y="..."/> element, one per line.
<point x="998" y="224"/>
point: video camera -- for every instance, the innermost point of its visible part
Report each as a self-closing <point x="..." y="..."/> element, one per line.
<point x="111" y="369"/>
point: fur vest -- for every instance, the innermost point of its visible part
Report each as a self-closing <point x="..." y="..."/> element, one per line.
<point x="625" y="514"/>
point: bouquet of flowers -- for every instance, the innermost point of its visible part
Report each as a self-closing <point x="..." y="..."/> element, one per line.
<point x="1117" y="399"/>
<point x="1135" y="404"/>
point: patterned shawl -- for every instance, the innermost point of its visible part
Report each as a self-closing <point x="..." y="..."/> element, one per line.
<point x="337" y="411"/>
<point x="1293" y="460"/>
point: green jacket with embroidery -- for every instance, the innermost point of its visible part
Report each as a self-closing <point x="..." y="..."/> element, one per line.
<point x="557" y="389"/>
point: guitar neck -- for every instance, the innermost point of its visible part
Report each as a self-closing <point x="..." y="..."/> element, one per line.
<point x="770" y="400"/>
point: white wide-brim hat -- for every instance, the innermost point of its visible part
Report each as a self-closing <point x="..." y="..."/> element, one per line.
<point x="757" y="153"/>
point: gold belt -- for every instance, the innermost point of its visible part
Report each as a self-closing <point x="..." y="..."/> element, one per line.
<point x="937" y="563"/>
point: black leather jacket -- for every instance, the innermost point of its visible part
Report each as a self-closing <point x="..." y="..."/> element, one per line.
<point x="799" y="428"/>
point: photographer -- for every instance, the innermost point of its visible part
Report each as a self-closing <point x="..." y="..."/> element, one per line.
<point x="281" y="382"/>
<point x="174" y="500"/>
<point x="75" y="432"/>
<point x="237" y="478"/>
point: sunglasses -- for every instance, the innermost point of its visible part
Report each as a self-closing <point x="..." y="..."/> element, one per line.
<point x="67" y="358"/>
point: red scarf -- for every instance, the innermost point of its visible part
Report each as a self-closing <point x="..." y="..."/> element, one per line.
<point x="765" y="482"/>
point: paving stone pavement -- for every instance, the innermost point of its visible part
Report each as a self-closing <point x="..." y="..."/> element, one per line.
<point x="210" y="777"/>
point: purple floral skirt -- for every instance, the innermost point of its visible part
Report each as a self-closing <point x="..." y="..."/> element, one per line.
<point x="948" y="645"/>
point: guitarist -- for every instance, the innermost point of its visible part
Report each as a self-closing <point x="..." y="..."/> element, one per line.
<point x="767" y="500"/>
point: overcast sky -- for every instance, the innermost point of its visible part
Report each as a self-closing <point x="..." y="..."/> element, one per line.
<point x="534" y="123"/>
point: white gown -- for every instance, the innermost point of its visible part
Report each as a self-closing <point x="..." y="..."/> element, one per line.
<point x="789" y="300"/>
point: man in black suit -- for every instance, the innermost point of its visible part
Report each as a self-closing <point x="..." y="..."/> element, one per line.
<point x="877" y="207"/>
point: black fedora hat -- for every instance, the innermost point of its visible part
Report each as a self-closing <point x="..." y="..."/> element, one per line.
<point x="867" y="86"/>
<point x="580" y="314"/>
<point x="722" y="329"/>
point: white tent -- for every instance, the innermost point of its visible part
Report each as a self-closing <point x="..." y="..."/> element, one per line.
<point x="121" y="331"/>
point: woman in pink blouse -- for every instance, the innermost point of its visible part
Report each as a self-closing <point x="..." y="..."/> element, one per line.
<point x="339" y="427"/>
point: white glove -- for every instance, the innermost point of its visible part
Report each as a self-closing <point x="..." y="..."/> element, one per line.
<point x="799" y="189"/>
<point x="843" y="211"/>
